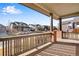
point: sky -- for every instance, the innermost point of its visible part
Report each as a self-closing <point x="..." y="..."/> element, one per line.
<point x="10" y="12"/>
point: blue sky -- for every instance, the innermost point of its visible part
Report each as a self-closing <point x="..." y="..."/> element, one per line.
<point x="10" y="12"/>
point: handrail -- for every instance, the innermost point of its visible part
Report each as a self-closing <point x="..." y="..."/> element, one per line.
<point x="25" y="35"/>
<point x="71" y="32"/>
<point x="15" y="45"/>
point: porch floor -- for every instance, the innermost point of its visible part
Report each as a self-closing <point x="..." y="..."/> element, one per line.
<point x="59" y="49"/>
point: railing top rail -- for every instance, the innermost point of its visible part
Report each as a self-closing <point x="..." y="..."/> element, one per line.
<point x="25" y="35"/>
<point x="71" y="32"/>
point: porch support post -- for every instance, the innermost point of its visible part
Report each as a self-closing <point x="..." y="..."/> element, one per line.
<point x="73" y="25"/>
<point x="51" y="28"/>
<point x="60" y="23"/>
<point x="51" y="24"/>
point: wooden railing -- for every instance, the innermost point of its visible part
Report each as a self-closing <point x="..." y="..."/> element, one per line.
<point x="15" y="45"/>
<point x="70" y="35"/>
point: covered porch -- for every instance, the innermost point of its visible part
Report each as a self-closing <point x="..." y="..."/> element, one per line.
<point x="53" y="42"/>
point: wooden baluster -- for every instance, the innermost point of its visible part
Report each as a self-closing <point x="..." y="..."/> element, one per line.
<point x="39" y="41"/>
<point x="23" y="44"/>
<point x="34" y="41"/>
<point x="14" y="47"/>
<point x="18" y="45"/>
<point x="11" y="48"/>
<point x="30" y="42"/>
<point x="27" y="44"/>
<point x="6" y="48"/>
<point x="42" y="39"/>
<point x="76" y="35"/>
<point x="3" y="48"/>
<point x="47" y="38"/>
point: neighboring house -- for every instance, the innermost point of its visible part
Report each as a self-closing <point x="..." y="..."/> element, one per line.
<point x="18" y="27"/>
<point x="38" y="27"/>
<point x="15" y="27"/>
<point x="45" y="27"/>
<point x="2" y="29"/>
<point x="32" y="27"/>
<point x="35" y="27"/>
<point x="69" y="26"/>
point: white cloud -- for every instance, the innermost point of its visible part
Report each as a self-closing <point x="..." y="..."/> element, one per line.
<point x="11" y="10"/>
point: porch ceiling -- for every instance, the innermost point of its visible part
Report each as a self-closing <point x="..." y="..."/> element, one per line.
<point x="63" y="10"/>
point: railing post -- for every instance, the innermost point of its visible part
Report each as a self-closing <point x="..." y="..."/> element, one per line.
<point x="55" y="36"/>
<point x="73" y="24"/>
<point x="3" y="48"/>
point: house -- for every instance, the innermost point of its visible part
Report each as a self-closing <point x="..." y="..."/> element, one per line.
<point x="70" y="25"/>
<point x="18" y="27"/>
<point x="2" y="29"/>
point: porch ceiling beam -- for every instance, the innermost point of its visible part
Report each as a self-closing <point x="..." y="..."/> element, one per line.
<point x="40" y="9"/>
<point x="70" y="15"/>
<point x="37" y="8"/>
